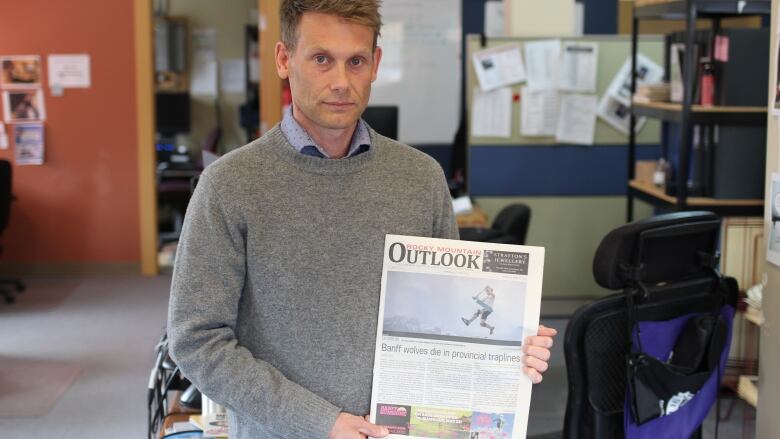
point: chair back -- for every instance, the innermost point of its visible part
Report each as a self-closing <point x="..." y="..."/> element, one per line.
<point x="671" y="251"/>
<point x="6" y="194"/>
<point x="513" y="220"/>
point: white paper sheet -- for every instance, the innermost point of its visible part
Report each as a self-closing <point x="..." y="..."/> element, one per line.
<point x="577" y="119"/>
<point x="579" y="67"/>
<point x="617" y="114"/>
<point x="69" y="71"/>
<point x="494" y="19"/>
<point x="543" y="61"/>
<point x="647" y="71"/>
<point x="232" y="75"/>
<point x="538" y="112"/>
<point x="499" y="67"/>
<point x="204" y="77"/>
<point x="491" y="114"/>
<point x="391" y="69"/>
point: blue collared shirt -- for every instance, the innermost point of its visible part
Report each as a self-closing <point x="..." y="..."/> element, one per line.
<point x="304" y="144"/>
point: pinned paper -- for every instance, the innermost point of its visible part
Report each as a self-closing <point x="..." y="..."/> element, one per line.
<point x="577" y="119"/>
<point x="542" y="61"/>
<point x="28" y="143"/>
<point x="232" y="75"/>
<point x="491" y="114"/>
<point x="579" y="67"/>
<point x="538" y="112"/>
<point x="69" y="71"/>
<point x="499" y="67"/>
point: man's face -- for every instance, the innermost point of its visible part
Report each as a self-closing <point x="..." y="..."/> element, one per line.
<point x="330" y="71"/>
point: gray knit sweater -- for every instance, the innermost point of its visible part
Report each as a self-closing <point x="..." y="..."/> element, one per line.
<point x="276" y="284"/>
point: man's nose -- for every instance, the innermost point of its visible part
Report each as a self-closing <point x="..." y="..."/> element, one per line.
<point x="339" y="81"/>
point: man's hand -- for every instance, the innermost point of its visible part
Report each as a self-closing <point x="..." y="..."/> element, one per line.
<point x="537" y="352"/>
<point x="354" y="427"/>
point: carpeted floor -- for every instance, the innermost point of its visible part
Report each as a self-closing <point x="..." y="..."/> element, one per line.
<point x="30" y="388"/>
<point x="104" y="326"/>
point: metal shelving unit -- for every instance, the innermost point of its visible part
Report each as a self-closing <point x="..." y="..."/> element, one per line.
<point x="686" y="113"/>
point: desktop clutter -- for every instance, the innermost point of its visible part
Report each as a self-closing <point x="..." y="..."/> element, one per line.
<point x="176" y="408"/>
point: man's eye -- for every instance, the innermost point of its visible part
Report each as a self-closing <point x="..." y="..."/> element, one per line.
<point x="356" y="62"/>
<point x="320" y="59"/>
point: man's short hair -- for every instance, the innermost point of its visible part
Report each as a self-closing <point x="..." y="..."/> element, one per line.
<point x="365" y="12"/>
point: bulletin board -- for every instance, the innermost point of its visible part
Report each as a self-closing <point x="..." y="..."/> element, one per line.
<point x="613" y="52"/>
<point x="420" y="70"/>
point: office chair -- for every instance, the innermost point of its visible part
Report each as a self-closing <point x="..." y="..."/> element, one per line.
<point x="6" y="197"/>
<point x="665" y="267"/>
<point x="509" y="227"/>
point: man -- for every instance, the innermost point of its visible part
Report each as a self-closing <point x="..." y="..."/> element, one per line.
<point x="485" y="300"/>
<point x="288" y="232"/>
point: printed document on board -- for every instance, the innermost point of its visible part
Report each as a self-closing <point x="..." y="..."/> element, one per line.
<point x="543" y="64"/>
<point x="499" y="67"/>
<point x="453" y="316"/>
<point x="579" y="67"/>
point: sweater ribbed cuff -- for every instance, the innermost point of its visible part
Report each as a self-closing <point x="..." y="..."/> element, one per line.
<point x="315" y="417"/>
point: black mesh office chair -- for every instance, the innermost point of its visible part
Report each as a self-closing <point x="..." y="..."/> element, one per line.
<point x="665" y="266"/>
<point x="509" y="227"/>
<point x="6" y="197"/>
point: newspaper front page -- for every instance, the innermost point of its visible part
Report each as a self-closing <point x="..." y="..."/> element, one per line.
<point x="452" y="319"/>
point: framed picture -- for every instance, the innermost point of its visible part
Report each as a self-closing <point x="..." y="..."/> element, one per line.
<point x="20" y="71"/>
<point x="23" y="105"/>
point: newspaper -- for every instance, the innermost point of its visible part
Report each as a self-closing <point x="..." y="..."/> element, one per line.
<point x="452" y="319"/>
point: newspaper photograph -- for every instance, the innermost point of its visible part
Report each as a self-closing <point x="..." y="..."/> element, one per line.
<point x="452" y="319"/>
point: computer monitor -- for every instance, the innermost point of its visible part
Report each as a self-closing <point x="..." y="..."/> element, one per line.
<point x="172" y="112"/>
<point x="383" y="119"/>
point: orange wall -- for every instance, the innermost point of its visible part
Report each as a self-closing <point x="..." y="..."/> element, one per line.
<point x="82" y="204"/>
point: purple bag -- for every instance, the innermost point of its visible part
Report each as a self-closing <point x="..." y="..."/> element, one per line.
<point x="683" y="413"/>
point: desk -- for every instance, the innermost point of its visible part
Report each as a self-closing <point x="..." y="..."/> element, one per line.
<point x="476" y="218"/>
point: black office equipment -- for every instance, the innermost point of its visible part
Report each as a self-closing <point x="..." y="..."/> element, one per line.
<point x="383" y="119"/>
<point x="172" y="112"/>
<point x="665" y="267"/>
<point x="509" y="227"/>
<point x="6" y="197"/>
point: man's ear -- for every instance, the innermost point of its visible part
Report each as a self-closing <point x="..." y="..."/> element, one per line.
<point x="377" y="58"/>
<point x="282" y="56"/>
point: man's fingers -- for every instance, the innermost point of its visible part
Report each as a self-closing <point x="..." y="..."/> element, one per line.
<point x="546" y="330"/>
<point x="373" y="430"/>
<point x="540" y="365"/>
<point x="539" y="340"/>
<point x="536" y="351"/>
<point x="535" y="376"/>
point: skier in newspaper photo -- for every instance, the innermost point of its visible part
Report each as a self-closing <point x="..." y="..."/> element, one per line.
<point x="485" y="300"/>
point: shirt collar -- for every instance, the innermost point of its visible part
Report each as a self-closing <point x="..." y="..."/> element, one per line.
<point x="304" y="144"/>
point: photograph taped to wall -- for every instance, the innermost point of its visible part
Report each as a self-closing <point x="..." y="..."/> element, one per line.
<point x="23" y="105"/>
<point x="28" y="143"/>
<point x="20" y="71"/>
<point x="773" y="243"/>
